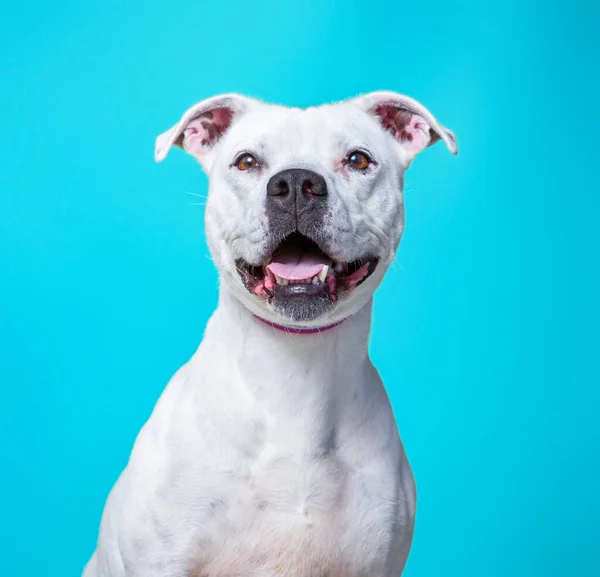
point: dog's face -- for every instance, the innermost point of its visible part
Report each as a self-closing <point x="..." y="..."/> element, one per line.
<point x="305" y="207"/>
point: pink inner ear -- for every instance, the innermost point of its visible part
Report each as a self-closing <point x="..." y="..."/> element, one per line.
<point x="410" y="129"/>
<point x="202" y="132"/>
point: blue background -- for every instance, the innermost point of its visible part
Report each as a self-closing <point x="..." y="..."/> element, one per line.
<point x="485" y="331"/>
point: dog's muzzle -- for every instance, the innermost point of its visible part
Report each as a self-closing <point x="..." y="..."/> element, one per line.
<point x="298" y="277"/>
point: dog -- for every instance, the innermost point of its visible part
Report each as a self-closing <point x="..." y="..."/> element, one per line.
<point x="273" y="451"/>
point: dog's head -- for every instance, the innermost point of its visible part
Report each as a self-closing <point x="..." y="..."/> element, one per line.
<point x="305" y="208"/>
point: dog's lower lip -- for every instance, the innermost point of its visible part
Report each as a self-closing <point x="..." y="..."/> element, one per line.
<point x="341" y="278"/>
<point x="300" y="289"/>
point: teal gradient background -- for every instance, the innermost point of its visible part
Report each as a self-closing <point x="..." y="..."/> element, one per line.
<point x="485" y="330"/>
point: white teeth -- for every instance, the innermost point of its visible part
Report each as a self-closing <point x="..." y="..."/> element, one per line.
<point x="314" y="280"/>
<point x="339" y="267"/>
<point x="323" y="274"/>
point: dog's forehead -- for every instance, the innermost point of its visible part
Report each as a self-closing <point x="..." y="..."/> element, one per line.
<point x="327" y="125"/>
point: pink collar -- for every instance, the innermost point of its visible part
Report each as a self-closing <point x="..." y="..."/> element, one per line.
<point x="300" y="330"/>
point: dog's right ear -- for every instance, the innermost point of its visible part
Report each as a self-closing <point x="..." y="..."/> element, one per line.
<point x="202" y="125"/>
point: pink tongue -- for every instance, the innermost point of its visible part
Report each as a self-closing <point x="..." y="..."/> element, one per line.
<point x="293" y="265"/>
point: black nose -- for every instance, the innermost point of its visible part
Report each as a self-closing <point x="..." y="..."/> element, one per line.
<point x="296" y="201"/>
<point x="296" y="182"/>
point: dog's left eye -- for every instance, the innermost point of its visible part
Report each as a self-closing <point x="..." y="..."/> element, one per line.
<point x="358" y="160"/>
<point x="246" y="161"/>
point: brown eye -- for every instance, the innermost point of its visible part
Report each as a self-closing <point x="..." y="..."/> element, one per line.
<point x="246" y="161"/>
<point x="358" y="160"/>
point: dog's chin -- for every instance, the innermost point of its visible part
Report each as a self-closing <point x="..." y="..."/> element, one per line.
<point x="300" y="304"/>
<point x="300" y="283"/>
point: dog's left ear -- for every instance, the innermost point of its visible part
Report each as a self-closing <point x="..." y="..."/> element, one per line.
<point x="409" y="122"/>
<point x="202" y="125"/>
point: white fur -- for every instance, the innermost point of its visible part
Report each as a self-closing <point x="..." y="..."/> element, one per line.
<point x="269" y="453"/>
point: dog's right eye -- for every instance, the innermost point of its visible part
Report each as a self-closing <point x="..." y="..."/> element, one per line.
<point x="245" y="161"/>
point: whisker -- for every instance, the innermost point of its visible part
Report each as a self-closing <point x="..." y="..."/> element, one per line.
<point x="196" y="194"/>
<point x="397" y="266"/>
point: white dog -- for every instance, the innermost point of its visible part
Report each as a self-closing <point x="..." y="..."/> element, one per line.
<point x="274" y="452"/>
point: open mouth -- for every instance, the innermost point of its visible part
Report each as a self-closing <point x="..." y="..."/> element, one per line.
<point x="299" y="268"/>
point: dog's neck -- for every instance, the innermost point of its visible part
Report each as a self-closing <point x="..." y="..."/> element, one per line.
<point x="350" y="336"/>
<point x="286" y="370"/>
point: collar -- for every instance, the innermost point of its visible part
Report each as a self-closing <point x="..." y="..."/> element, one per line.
<point x="299" y="330"/>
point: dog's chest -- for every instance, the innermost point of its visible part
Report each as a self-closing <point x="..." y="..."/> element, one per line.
<point x="296" y="513"/>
